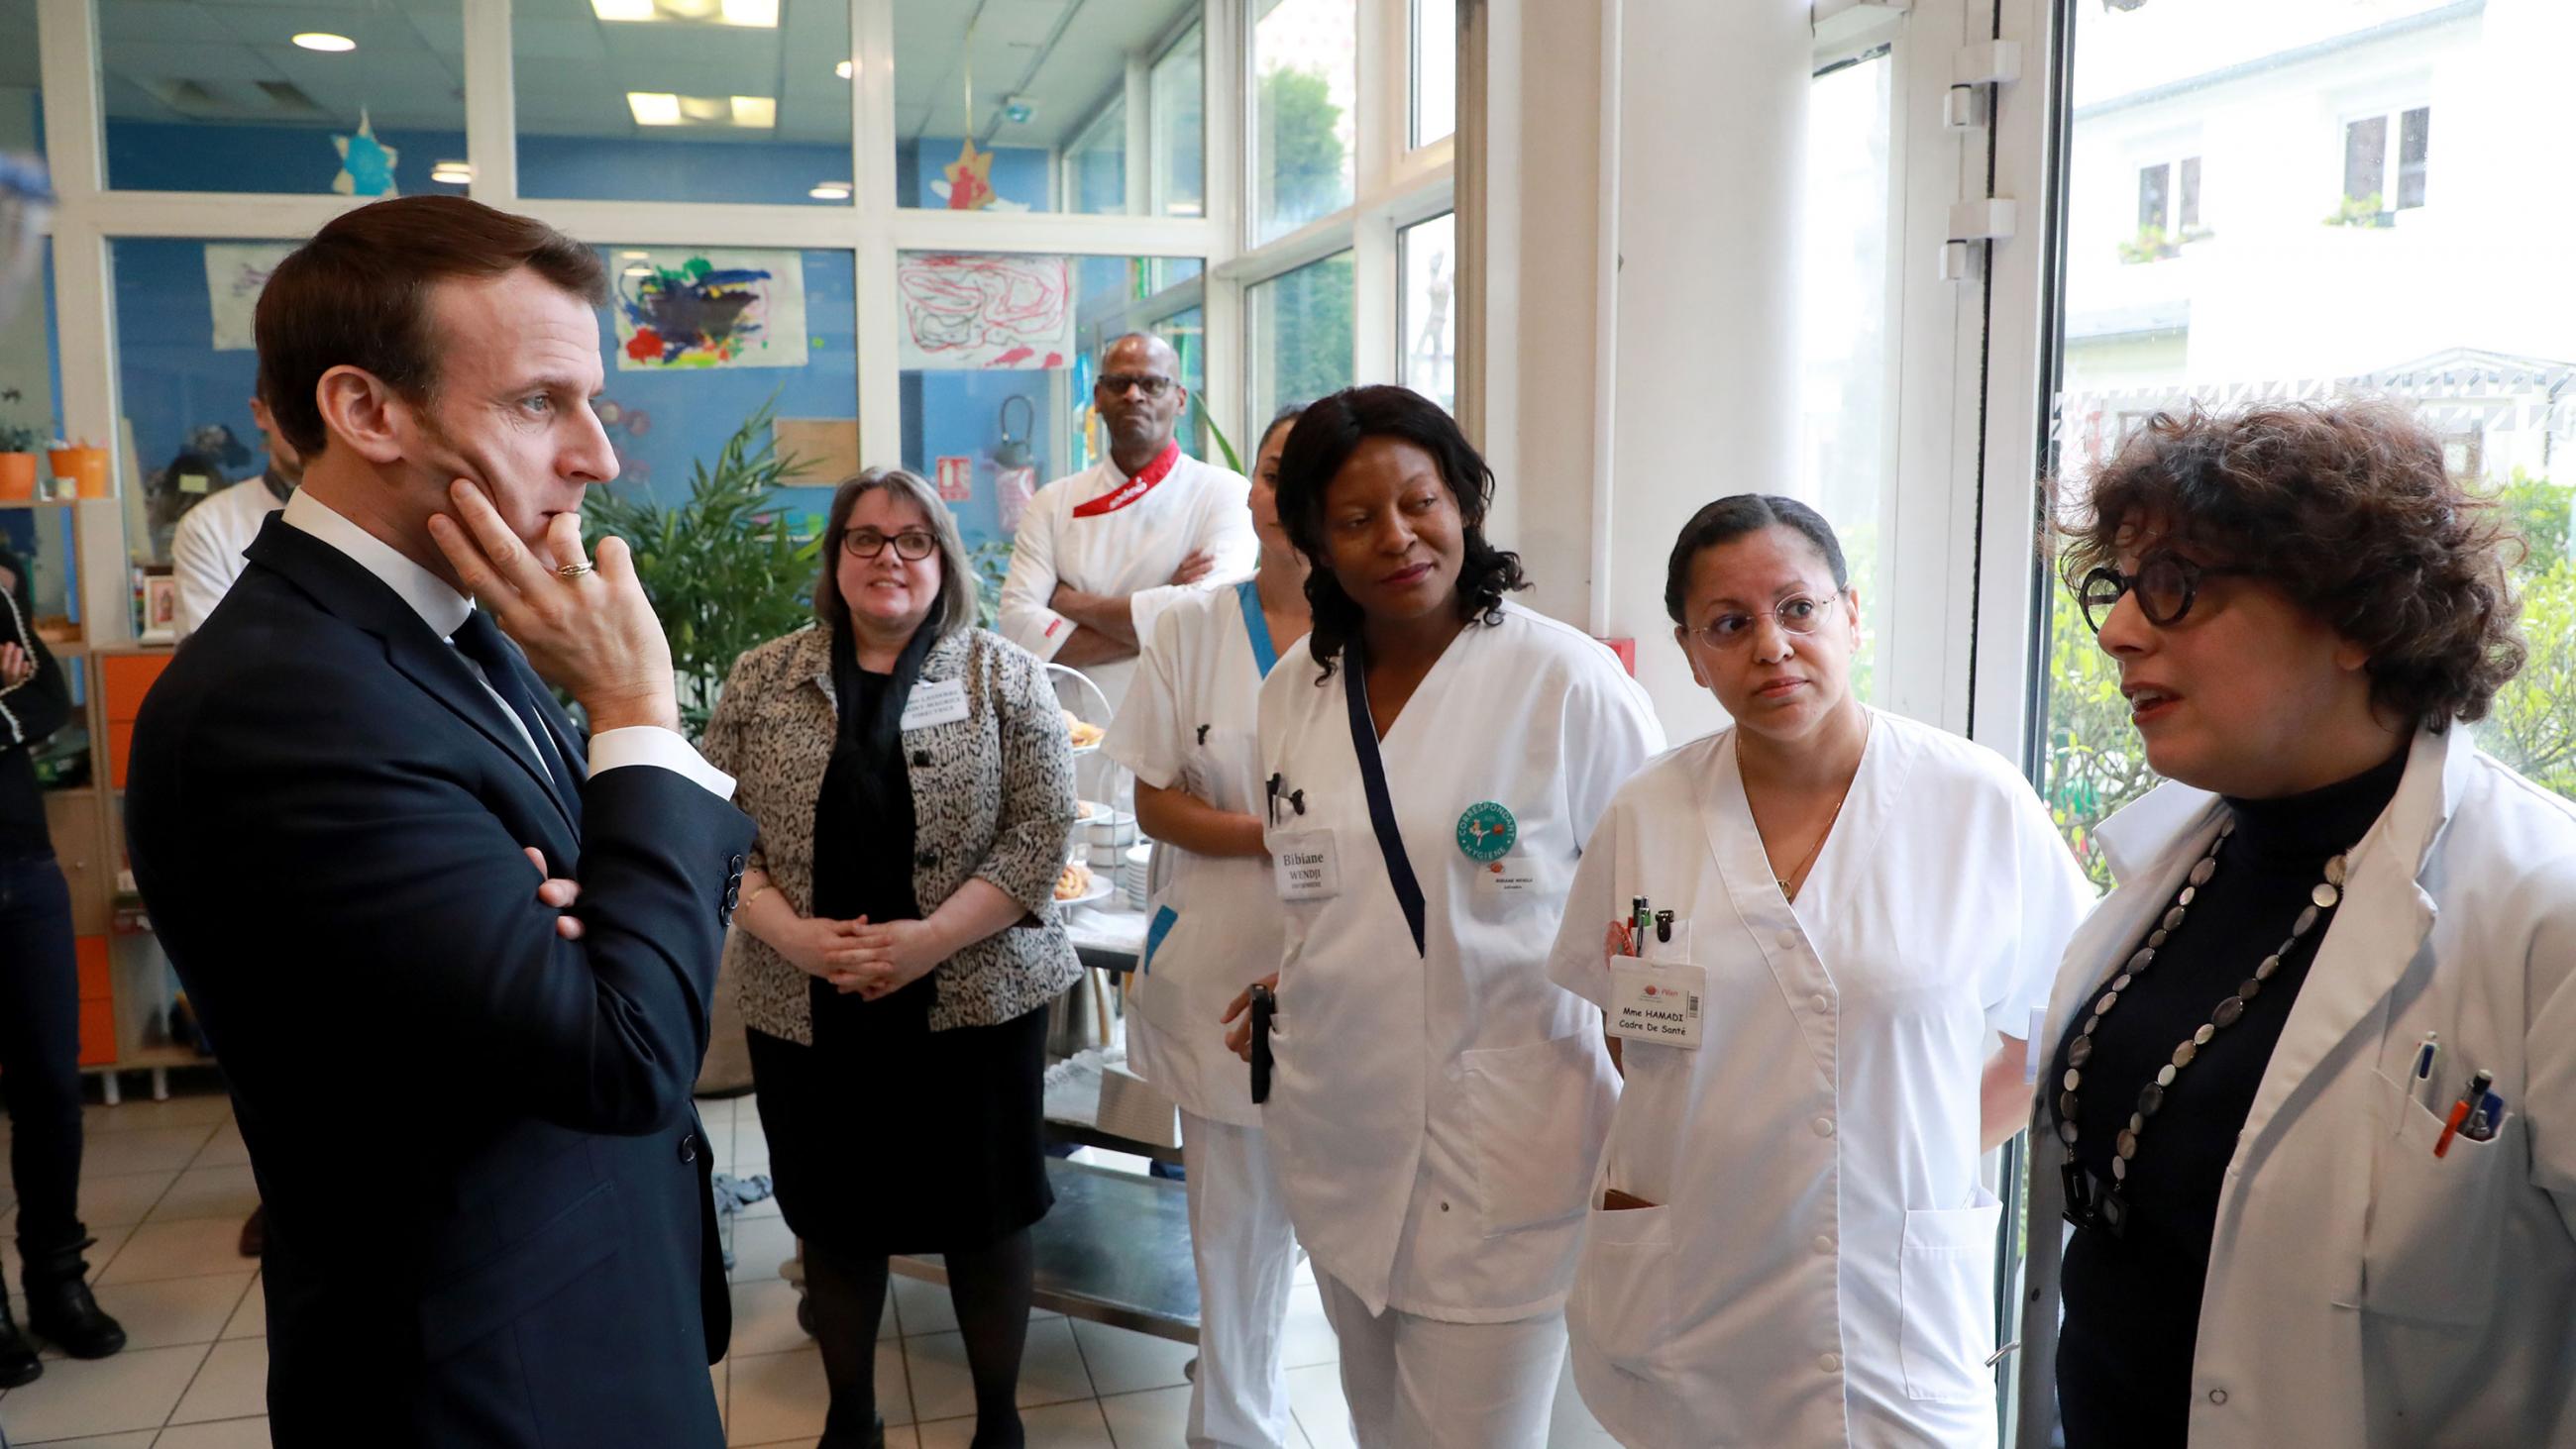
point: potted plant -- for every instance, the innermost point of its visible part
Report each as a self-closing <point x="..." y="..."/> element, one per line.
<point x="723" y="570"/>
<point x="18" y="447"/>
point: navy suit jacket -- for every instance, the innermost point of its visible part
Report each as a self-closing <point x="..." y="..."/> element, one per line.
<point x="488" y="1216"/>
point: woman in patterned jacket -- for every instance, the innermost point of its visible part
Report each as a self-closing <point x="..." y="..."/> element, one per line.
<point x="897" y="940"/>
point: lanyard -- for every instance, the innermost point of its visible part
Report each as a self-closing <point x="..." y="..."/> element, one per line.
<point x="1390" y="842"/>
<point x="1256" y="627"/>
<point x="1134" y="488"/>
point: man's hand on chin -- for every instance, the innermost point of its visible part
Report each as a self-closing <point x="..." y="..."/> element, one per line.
<point x="587" y="628"/>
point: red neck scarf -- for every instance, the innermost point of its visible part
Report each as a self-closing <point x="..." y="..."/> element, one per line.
<point x="1134" y="488"/>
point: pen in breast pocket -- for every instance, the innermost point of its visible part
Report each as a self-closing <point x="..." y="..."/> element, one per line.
<point x="2427" y="1054"/>
<point x="2469" y="1101"/>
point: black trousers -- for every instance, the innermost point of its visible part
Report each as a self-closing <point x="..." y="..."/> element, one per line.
<point x="40" y="1052"/>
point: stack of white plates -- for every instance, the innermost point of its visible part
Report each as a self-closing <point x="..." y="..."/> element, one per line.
<point x="1131" y="875"/>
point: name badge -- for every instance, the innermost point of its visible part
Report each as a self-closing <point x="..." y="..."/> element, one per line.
<point x="1308" y="864"/>
<point x="1656" y="1002"/>
<point x="1514" y="877"/>
<point x="935" y="704"/>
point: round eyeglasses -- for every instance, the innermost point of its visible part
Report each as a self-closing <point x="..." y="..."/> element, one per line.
<point x="912" y="545"/>
<point x="1797" y="615"/>
<point x="2165" y="584"/>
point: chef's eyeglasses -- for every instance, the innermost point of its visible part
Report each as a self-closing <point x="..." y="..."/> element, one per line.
<point x="912" y="545"/>
<point x="1113" y="384"/>
<point x="2166" y="584"/>
<point x="1797" y="615"/>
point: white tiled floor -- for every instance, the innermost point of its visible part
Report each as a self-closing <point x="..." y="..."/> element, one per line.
<point x="165" y="1185"/>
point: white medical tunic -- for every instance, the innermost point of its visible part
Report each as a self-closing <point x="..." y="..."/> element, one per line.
<point x="1106" y="533"/>
<point x="1819" y="1268"/>
<point x="1190" y="724"/>
<point x="1435" y="1112"/>
<point x="206" y="548"/>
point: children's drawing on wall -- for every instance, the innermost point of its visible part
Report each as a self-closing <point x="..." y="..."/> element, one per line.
<point x="968" y="310"/>
<point x="684" y="309"/>
<point x="235" y="273"/>
<point x="366" y="164"/>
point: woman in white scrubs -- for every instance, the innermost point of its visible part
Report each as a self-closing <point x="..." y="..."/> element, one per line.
<point x="1187" y="730"/>
<point x="2310" y="1105"/>
<point x="1789" y="1242"/>
<point x="1434" y="757"/>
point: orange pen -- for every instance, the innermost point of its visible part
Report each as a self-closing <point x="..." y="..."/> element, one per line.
<point x="2478" y="1084"/>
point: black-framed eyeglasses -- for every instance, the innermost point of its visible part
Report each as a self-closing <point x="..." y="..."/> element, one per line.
<point x="912" y="545"/>
<point x="1796" y="615"/>
<point x="2166" y="585"/>
<point x="1115" y="383"/>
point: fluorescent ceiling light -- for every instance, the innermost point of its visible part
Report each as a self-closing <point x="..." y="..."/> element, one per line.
<point x="325" y="40"/>
<point x="634" y="256"/>
<point x="843" y="70"/>
<point x="831" y="191"/>
<point x="451" y="173"/>
<point x="662" y="108"/>
<point x="752" y="14"/>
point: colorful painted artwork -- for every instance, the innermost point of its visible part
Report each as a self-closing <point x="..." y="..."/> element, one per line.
<point x="680" y="310"/>
<point x="366" y="164"/>
<point x="966" y="310"/>
<point x="235" y="273"/>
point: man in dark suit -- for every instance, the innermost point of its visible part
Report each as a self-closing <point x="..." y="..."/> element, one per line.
<point x="467" y="1108"/>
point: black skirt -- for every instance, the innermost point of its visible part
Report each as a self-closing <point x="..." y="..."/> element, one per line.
<point x="888" y="1137"/>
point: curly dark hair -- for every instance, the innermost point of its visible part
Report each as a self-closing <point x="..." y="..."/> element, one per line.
<point x="1323" y="440"/>
<point x="2347" y="508"/>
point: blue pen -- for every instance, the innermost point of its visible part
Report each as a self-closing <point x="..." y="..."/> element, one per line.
<point x="2425" y="1055"/>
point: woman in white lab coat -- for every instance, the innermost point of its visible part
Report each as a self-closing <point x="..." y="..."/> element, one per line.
<point x="2338" y="929"/>
<point x="1188" y="731"/>
<point x="1435" y="757"/>
<point x="1853" y="918"/>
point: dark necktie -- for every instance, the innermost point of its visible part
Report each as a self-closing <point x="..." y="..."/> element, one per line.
<point x="480" y="640"/>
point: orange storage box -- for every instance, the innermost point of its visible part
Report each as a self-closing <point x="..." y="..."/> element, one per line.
<point x="127" y="678"/>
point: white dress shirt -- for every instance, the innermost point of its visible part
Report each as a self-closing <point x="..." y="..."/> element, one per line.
<point x="206" y="550"/>
<point x="445" y="610"/>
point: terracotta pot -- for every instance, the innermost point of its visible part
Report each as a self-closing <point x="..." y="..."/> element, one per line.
<point x="17" y="477"/>
<point x="86" y="467"/>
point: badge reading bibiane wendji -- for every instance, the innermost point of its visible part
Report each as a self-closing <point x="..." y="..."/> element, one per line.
<point x="1487" y="832"/>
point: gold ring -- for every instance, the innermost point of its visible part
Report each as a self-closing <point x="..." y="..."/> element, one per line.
<point x="572" y="570"/>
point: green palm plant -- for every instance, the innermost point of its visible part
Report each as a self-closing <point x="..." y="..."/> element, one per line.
<point x="724" y="570"/>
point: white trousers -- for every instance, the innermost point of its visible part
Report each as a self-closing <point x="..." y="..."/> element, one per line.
<point x="1247" y="1260"/>
<point x="1420" y="1383"/>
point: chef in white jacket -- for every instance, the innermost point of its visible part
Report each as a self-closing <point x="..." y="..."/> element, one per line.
<point x="1852" y="918"/>
<point x="1188" y="730"/>
<point x="1437" y="1102"/>
<point x="206" y="547"/>
<point x="1099" y="553"/>
<point x="2300" y="1246"/>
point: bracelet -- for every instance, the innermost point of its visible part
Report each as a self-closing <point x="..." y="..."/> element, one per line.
<point x="755" y="895"/>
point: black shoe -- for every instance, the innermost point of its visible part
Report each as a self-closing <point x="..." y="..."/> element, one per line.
<point x="18" y="1361"/>
<point x="875" y="1438"/>
<point x="60" y="1308"/>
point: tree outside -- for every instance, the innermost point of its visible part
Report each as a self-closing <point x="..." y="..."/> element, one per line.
<point x="1304" y="316"/>
<point x="2094" y="765"/>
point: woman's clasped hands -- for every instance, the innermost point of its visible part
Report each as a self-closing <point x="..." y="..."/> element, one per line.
<point x="871" y="959"/>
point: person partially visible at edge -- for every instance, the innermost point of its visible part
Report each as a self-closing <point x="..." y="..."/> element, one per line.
<point x="1099" y="553"/>
<point x="206" y="548"/>
<point x="508" y="1238"/>
<point x="2305" y="1151"/>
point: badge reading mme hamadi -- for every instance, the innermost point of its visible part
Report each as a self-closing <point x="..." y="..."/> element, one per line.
<point x="1487" y="831"/>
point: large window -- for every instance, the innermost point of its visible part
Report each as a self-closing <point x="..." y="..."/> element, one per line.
<point x="205" y="96"/>
<point x="1298" y="336"/>
<point x="999" y="352"/>
<point x="988" y="98"/>
<point x="1427" y="318"/>
<point x="1846" y="456"/>
<point x="683" y="100"/>
<point x="1435" y="70"/>
<point x="1305" y="58"/>
<point x="1178" y="87"/>
<point x="2315" y="279"/>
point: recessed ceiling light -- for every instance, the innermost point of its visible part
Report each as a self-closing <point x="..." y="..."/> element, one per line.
<point x="325" y="40"/>
<point x="451" y="173"/>
<point x="654" y="108"/>
<point x="843" y="70"/>
<point x="622" y="9"/>
<point x="831" y="191"/>
<point x="755" y="14"/>
<point x="663" y="108"/>
<point x="760" y="13"/>
<point x="756" y="112"/>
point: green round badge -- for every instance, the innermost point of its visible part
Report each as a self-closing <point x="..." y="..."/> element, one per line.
<point x="1487" y="831"/>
